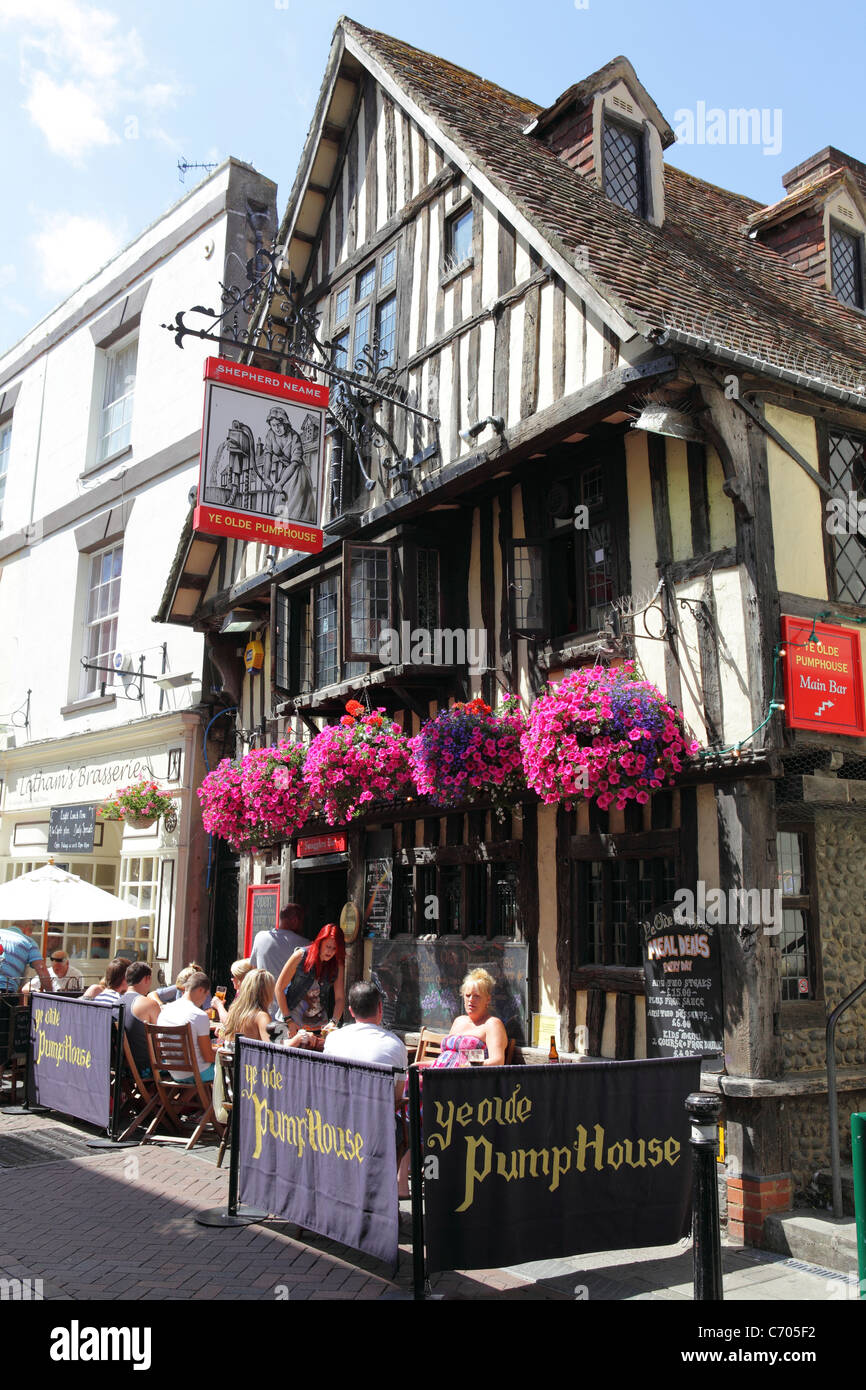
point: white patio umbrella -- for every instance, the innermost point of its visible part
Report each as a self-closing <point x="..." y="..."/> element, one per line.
<point x="50" y="894"/>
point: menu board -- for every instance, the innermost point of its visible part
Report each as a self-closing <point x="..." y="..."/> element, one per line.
<point x="420" y="980"/>
<point x="682" y="966"/>
<point x="263" y="911"/>
<point x="71" y="829"/>
<point x="377" y="897"/>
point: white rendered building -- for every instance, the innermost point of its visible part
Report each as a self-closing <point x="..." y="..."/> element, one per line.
<point x="100" y="417"/>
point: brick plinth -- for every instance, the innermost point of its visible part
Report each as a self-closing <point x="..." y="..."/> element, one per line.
<point x="751" y="1200"/>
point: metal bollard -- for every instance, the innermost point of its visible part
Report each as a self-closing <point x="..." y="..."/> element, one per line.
<point x="704" y="1111"/>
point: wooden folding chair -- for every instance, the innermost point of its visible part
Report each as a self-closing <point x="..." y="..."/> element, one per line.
<point x="174" y="1049"/>
<point x="226" y="1066"/>
<point x="136" y="1091"/>
<point x="429" y="1045"/>
<point x="14" y="1035"/>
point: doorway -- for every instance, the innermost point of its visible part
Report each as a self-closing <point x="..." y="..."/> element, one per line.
<point x="322" y="895"/>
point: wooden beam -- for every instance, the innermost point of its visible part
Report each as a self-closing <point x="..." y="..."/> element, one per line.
<point x="564" y="944"/>
<point x="377" y="239"/>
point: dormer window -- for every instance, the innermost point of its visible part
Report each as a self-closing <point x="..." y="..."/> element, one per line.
<point x="623" y="166"/>
<point x="610" y="131"/>
<point x="846" y="266"/>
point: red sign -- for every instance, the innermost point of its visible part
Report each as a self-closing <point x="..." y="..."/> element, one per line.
<point x="823" y="677"/>
<point x="262" y="457"/>
<point x="263" y="911"/>
<point x="320" y="844"/>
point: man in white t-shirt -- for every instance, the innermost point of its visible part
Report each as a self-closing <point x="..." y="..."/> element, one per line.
<point x="366" y="1040"/>
<point x="189" y="1010"/>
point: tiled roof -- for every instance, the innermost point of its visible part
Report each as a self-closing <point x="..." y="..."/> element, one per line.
<point x="699" y="274"/>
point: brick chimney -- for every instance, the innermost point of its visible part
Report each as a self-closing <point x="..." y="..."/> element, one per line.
<point x="824" y="162"/>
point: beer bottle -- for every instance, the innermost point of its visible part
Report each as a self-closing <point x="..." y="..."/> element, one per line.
<point x="553" y="1055"/>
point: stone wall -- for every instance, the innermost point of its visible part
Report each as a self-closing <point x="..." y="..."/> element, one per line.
<point x="840" y="853"/>
<point x="809" y="1134"/>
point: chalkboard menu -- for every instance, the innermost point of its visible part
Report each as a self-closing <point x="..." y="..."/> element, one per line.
<point x="420" y="980"/>
<point x="263" y="911"/>
<point x="682" y="965"/>
<point x="377" y="897"/>
<point x="71" y="829"/>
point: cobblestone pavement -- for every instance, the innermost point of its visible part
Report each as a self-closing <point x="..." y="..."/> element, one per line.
<point x="103" y="1224"/>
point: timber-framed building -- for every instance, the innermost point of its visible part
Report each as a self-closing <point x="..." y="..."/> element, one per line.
<point x="541" y="281"/>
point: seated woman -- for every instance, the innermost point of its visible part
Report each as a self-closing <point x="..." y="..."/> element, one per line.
<point x="113" y="983"/>
<point x="303" y="976"/>
<point x="249" y="1015"/>
<point x="476" y="1030"/>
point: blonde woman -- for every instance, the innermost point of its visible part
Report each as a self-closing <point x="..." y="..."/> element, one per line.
<point x="249" y="1014"/>
<point x="476" y="1030"/>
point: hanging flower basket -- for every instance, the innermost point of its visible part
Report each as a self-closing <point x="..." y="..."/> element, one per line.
<point x="139" y="805"/>
<point x="222" y="804"/>
<point x="468" y="752"/>
<point x="364" y="758"/>
<point x="276" y="797"/>
<point x="606" y="735"/>
<point x="258" y="801"/>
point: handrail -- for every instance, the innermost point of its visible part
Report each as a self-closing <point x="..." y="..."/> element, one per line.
<point x="832" y="1098"/>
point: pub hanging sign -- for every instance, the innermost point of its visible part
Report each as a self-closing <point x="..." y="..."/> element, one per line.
<point x="262" y="457"/>
<point x="823" y="677"/>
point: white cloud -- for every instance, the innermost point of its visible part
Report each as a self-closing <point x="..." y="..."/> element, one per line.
<point x="83" y="71"/>
<point x="69" y="117"/>
<point x="70" y="248"/>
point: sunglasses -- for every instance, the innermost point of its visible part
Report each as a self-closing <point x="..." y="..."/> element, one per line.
<point x="58" y="960"/>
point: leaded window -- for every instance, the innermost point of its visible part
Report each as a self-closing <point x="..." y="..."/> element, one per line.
<point x="846" y="259"/>
<point x="368" y="572"/>
<point x="622" y="156"/>
<point x="613" y="896"/>
<point x="847" y="471"/>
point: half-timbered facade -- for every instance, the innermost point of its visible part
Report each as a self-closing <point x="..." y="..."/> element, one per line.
<point x="621" y="407"/>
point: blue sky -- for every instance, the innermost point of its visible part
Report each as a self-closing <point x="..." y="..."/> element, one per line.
<point x="99" y="101"/>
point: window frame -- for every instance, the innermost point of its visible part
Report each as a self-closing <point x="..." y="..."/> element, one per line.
<point x="451" y="266"/>
<point x="378" y="295"/>
<point x="808" y="904"/>
<point x="824" y="429"/>
<point x="422" y="879"/>
<point x="85" y="691"/>
<point x="350" y="549"/>
<point x="5" y="455"/>
<point x="108" y="356"/>
<point x="639" y="134"/>
<point x="295" y="657"/>
<point x="839" y="229"/>
<point x="546" y="533"/>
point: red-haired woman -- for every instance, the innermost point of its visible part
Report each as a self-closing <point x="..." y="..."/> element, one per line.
<point x="304" y="974"/>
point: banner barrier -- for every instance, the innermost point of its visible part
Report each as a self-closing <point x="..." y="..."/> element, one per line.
<point x="316" y="1143"/>
<point x="71" y="1056"/>
<point x="533" y="1163"/>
